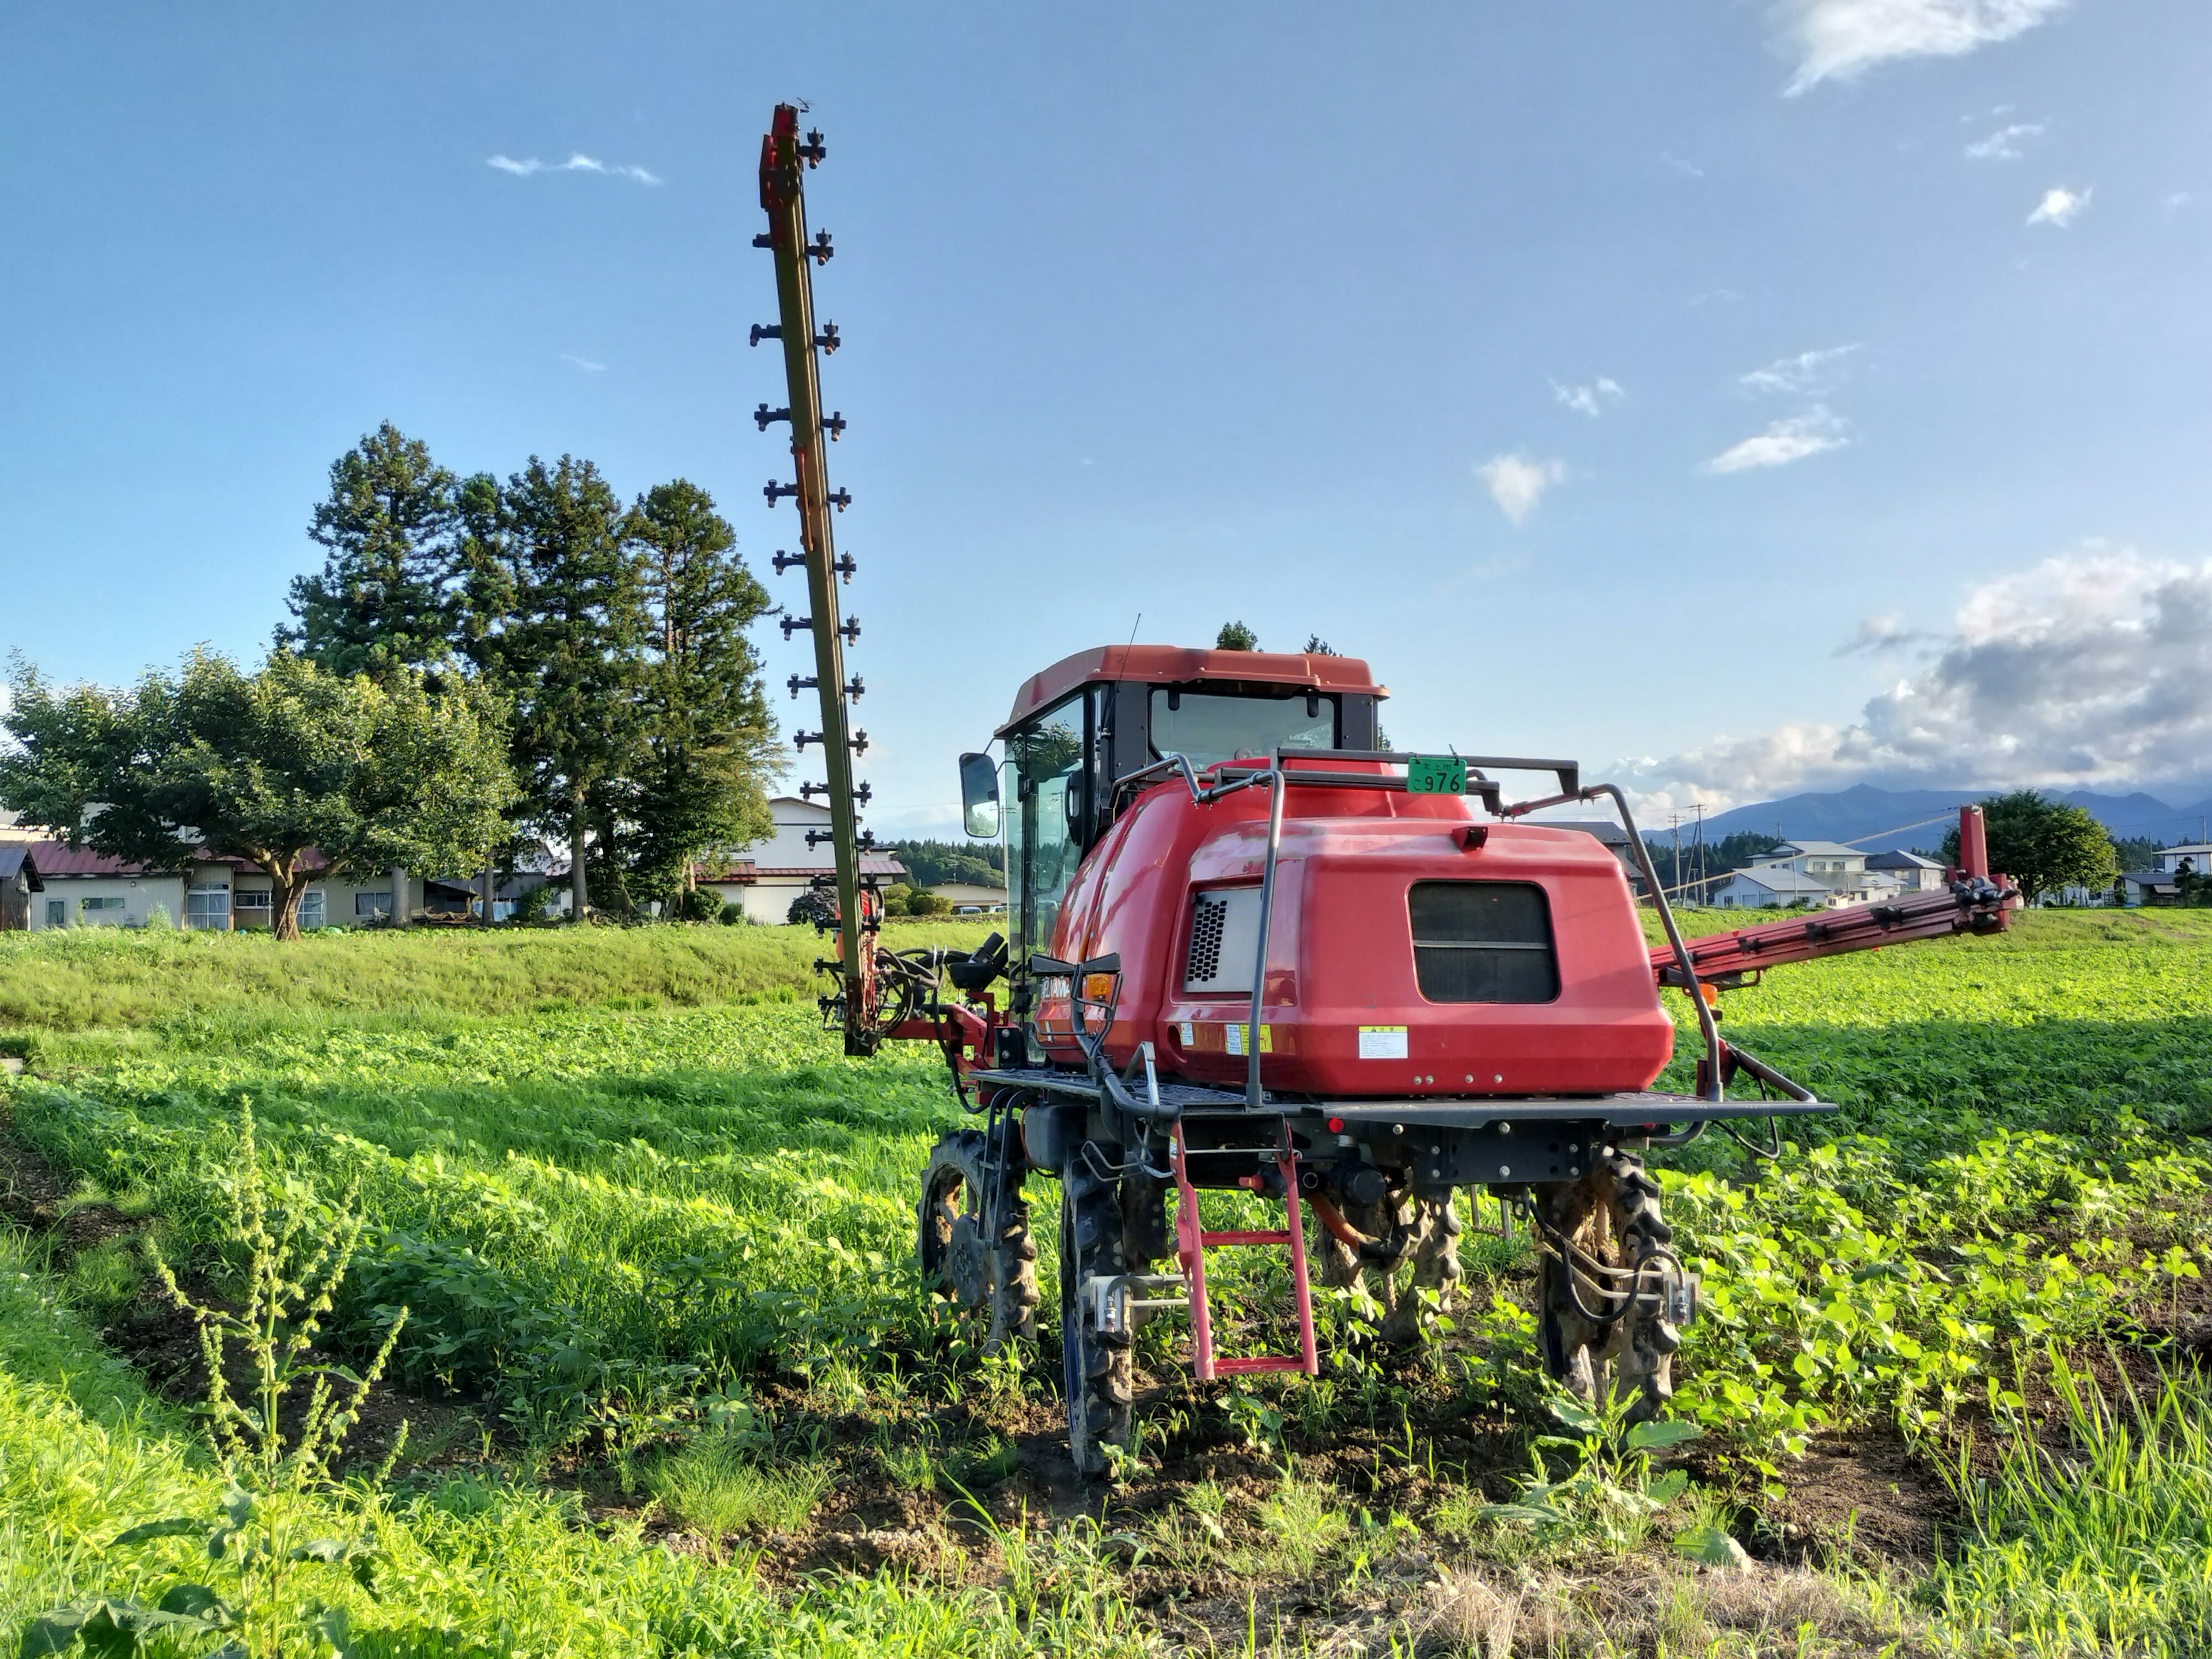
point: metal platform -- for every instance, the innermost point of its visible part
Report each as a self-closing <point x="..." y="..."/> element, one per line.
<point x="1635" y="1111"/>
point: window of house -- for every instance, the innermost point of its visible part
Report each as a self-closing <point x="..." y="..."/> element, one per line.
<point x="314" y="908"/>
<point x="366" y="905"/>
<point x="56" y="913"/>
<point x="93" y="906"/>
<point x="208" y="906"/>
<point x="253" y="905"/>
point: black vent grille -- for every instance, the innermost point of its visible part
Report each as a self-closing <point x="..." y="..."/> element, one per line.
<point x="1483" y="941"/>
<point x="1208" y="918"/>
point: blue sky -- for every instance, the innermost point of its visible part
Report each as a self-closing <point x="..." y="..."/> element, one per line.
<point x="1743" y="396"/>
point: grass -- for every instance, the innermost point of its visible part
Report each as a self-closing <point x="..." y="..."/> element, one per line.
<point x="467" y="1567"/>
<point x="2098" y="1538"/>
<point x="718" y="1486"/>
<point x="229" y="984"/>
<point x="621" y="1179"/>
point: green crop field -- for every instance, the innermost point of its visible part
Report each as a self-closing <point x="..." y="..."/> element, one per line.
<point x="672" y="1387"/>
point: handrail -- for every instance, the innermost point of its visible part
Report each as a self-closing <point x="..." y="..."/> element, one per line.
<point x="1252" y="1094"/>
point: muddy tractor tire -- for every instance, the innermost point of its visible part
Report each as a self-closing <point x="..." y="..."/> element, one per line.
<point x="1610" y="1335"/>
<point x="1095" y="1366"/>
<point x="1430" y="1228"/>
<point x="992" y="1281"/>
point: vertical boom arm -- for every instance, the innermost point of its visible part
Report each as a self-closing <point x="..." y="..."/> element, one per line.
<point x="784" y="159"/>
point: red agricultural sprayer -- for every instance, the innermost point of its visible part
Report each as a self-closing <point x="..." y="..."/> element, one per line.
<point x="1253" y="950"/>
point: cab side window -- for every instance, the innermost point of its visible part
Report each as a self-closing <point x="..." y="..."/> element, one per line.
<point x="1045" y="764"/>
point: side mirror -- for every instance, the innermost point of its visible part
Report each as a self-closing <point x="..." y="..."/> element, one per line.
<point x="979" y="796"/>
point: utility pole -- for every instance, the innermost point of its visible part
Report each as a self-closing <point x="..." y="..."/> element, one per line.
<point x="1700" y="810"/>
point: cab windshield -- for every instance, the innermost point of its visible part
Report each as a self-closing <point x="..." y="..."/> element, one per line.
<point x="1206" y="727"/>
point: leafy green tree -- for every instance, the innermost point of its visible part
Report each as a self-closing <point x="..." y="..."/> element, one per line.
<point x="557" y="623"/>
<point x="2134" y="851"/>
<point x="707" y="739"/>
<point x="2042" y="844"/>
<point x="262" y="766"/>
<point x="384" y="598"/>
<point x="1234" y="636"/>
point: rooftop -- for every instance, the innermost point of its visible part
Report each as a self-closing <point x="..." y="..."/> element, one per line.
<point x="1177" y="665"/>
<point x="1822" y="848"/>
<point x="1778" y="879"/>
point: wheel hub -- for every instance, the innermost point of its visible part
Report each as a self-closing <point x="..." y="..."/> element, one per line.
<point x="965" y="1267"/>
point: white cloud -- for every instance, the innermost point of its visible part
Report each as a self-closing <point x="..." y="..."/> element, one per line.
<point x="1839" y="40"/>
<point x="1808" y="370"/>
<point x="1593" y="399"/>
<point x="1687" y="169"/>
<point x="2092" y="669"/>
<point x="2059" y="206"/>
<point x="2003" y="144"/>
<point x="2173" y="203"/>
<point x="584" y="363"/>
<point x="1517" y="483"/>
<point x="577" y="162"/>
<point x="1786" y="440"/>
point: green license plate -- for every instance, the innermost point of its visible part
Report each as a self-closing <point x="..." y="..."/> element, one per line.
<point x="1435" y="774"/>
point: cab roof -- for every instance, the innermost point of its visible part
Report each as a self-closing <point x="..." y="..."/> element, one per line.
<point x="1186" y="666"/>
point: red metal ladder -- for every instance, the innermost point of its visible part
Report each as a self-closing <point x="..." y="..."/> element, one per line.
<point x="1192" y="1243"/>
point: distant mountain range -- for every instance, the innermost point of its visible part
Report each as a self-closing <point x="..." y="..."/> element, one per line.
<point x="1874" y="819"/>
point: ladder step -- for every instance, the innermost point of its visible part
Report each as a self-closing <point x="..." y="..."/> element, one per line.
<point x="1192" y="1242"/>
<point x="1261" y="1362"/>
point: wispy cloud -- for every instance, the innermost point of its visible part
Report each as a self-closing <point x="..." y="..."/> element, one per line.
<point x="1876" y="634"/>
<point x="1808" y="370"/>
<point x="584" y="363"/>
<point x="1840" y="39"/>
<point x="1592" y="400"/>
<point x="577" y="162"/>
<point x="2004" y="144"/>
<point x="1687" y="169"/>
<point x="1786" y="440"/>
<point x="2089" y="670"/>
<point x="1714" y="296"/>
<point x="2060" y="206"/>
<point x="1517" y="483"/>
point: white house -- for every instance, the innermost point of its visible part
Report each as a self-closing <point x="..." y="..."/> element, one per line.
<point x="1841" y="871"/>
<point x="1770" y="884"/>
<point x="2198" y="853"/>
<point x="1911" y="872"/>
<point x="763" y="879"/>
<point x="2149" y="887"/>
<point x="84" y="888"/>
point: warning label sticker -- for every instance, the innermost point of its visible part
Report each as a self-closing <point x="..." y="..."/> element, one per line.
<point x="1382" y="1042"/>
<point x="1235" y="1036"/>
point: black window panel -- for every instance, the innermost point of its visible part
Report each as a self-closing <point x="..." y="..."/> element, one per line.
<point x="1483" y="941"/>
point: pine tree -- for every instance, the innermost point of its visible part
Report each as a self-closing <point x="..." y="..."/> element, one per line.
<point x="383" y="599"/>
<point x="1234" y="636"/>
<point x="706" y="738"/>
<point x="557" y="623"/>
